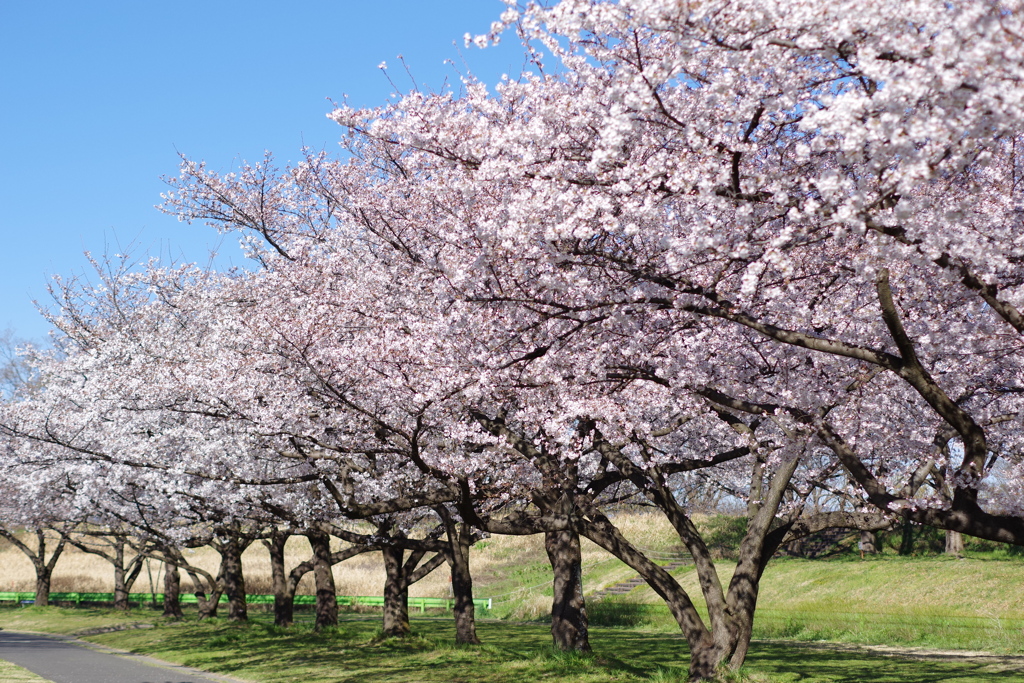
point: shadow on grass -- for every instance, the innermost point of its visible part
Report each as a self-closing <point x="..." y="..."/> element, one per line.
<point x="353" y="653"/>
<point x="614" y="613"/>
<point x="795" y="663"/>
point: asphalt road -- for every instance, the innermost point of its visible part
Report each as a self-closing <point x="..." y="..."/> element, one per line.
<point x="66" y="660"/>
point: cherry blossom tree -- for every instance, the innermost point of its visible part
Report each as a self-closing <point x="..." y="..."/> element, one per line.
<point x="718" y="197"/>
<point x="218" y="447"/>
<point x="723" y="236"/>
<point x="36" y="516"/>
<point x="116" y="545"/>
<point x="553" y="395"/>
<point x="36" y="524"/>
<point x="716" y="161"/>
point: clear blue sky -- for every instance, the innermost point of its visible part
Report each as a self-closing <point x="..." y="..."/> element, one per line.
<point x="96" y="98"/>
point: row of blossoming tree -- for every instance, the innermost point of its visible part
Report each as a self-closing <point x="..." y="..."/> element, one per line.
<point x="772" y="247"/>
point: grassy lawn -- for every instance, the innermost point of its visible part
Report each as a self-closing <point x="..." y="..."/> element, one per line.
<point x="932" y="601"/>
<point x="354" y="652"/>
<point x="10" y="673"/>
<point x="938" y="602"/>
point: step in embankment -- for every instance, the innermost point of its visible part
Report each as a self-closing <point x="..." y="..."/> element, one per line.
<point x="624" y="587"/>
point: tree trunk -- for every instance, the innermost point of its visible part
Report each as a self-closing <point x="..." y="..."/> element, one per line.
<point x="907" y="542"/>
<point x="43" y="575"/>
<point x="172" y="592"/>
<point x="284" y="599"/>
<point x="954" y="543"/>
<point x="110" y="545"/>
<point x="234" y="580"/>
<point x="569" y="625"/>
<point x="207" y="605"/>
<point x="868" y="544"/>
<point x="744" y="588"/>
<point x="705" y="656"/>
<point x="396" y="594"/>
<point x="733" y="627"/>
<point x="122" y="581"/>
<point x="152" y="586"/>
<point x="43" y="567"/>
<point x="462" y="585"/>
<point x="120" y="587"/>
<point x="323" y="574"/>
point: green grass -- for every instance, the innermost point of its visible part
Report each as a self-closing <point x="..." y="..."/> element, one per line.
<point x="69" y="621"/>
<point x="929" y="601"/>
<point x="355" y="652"/>
<point x="9" y="673"/>
<point x="973" y="604"/>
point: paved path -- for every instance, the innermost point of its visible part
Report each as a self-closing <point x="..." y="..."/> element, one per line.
<point x="67" y="660"/>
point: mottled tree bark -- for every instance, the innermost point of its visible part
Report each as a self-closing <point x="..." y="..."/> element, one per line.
<point x="569" y="625"/>
<point x="207" y="605"/>
<point x="460" y="538"/>
<point x="954" y="543"/>
<point x="396" y="594"/>
<point x="868" y="543"/>
<point x="172" y="592"/>
<point x="705" y="656"/>
<point x="233" y="578"/>
<point x="43" y="579"/>
<point x="284" y="599"/>
<point x="323" y="574"/>
<point x="120" y="587"/>
<point x="124" y="575"/>
<point x="399" y="576"/>
<point x="286" y="583"/>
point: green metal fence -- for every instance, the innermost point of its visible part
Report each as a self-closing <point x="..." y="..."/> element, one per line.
<point x="187" y="598"/>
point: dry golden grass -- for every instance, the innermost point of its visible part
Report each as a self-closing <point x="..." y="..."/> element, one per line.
<point x="650" y="530"/>
<point x="361" y="575"/>
<point x="84" y="572"/>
